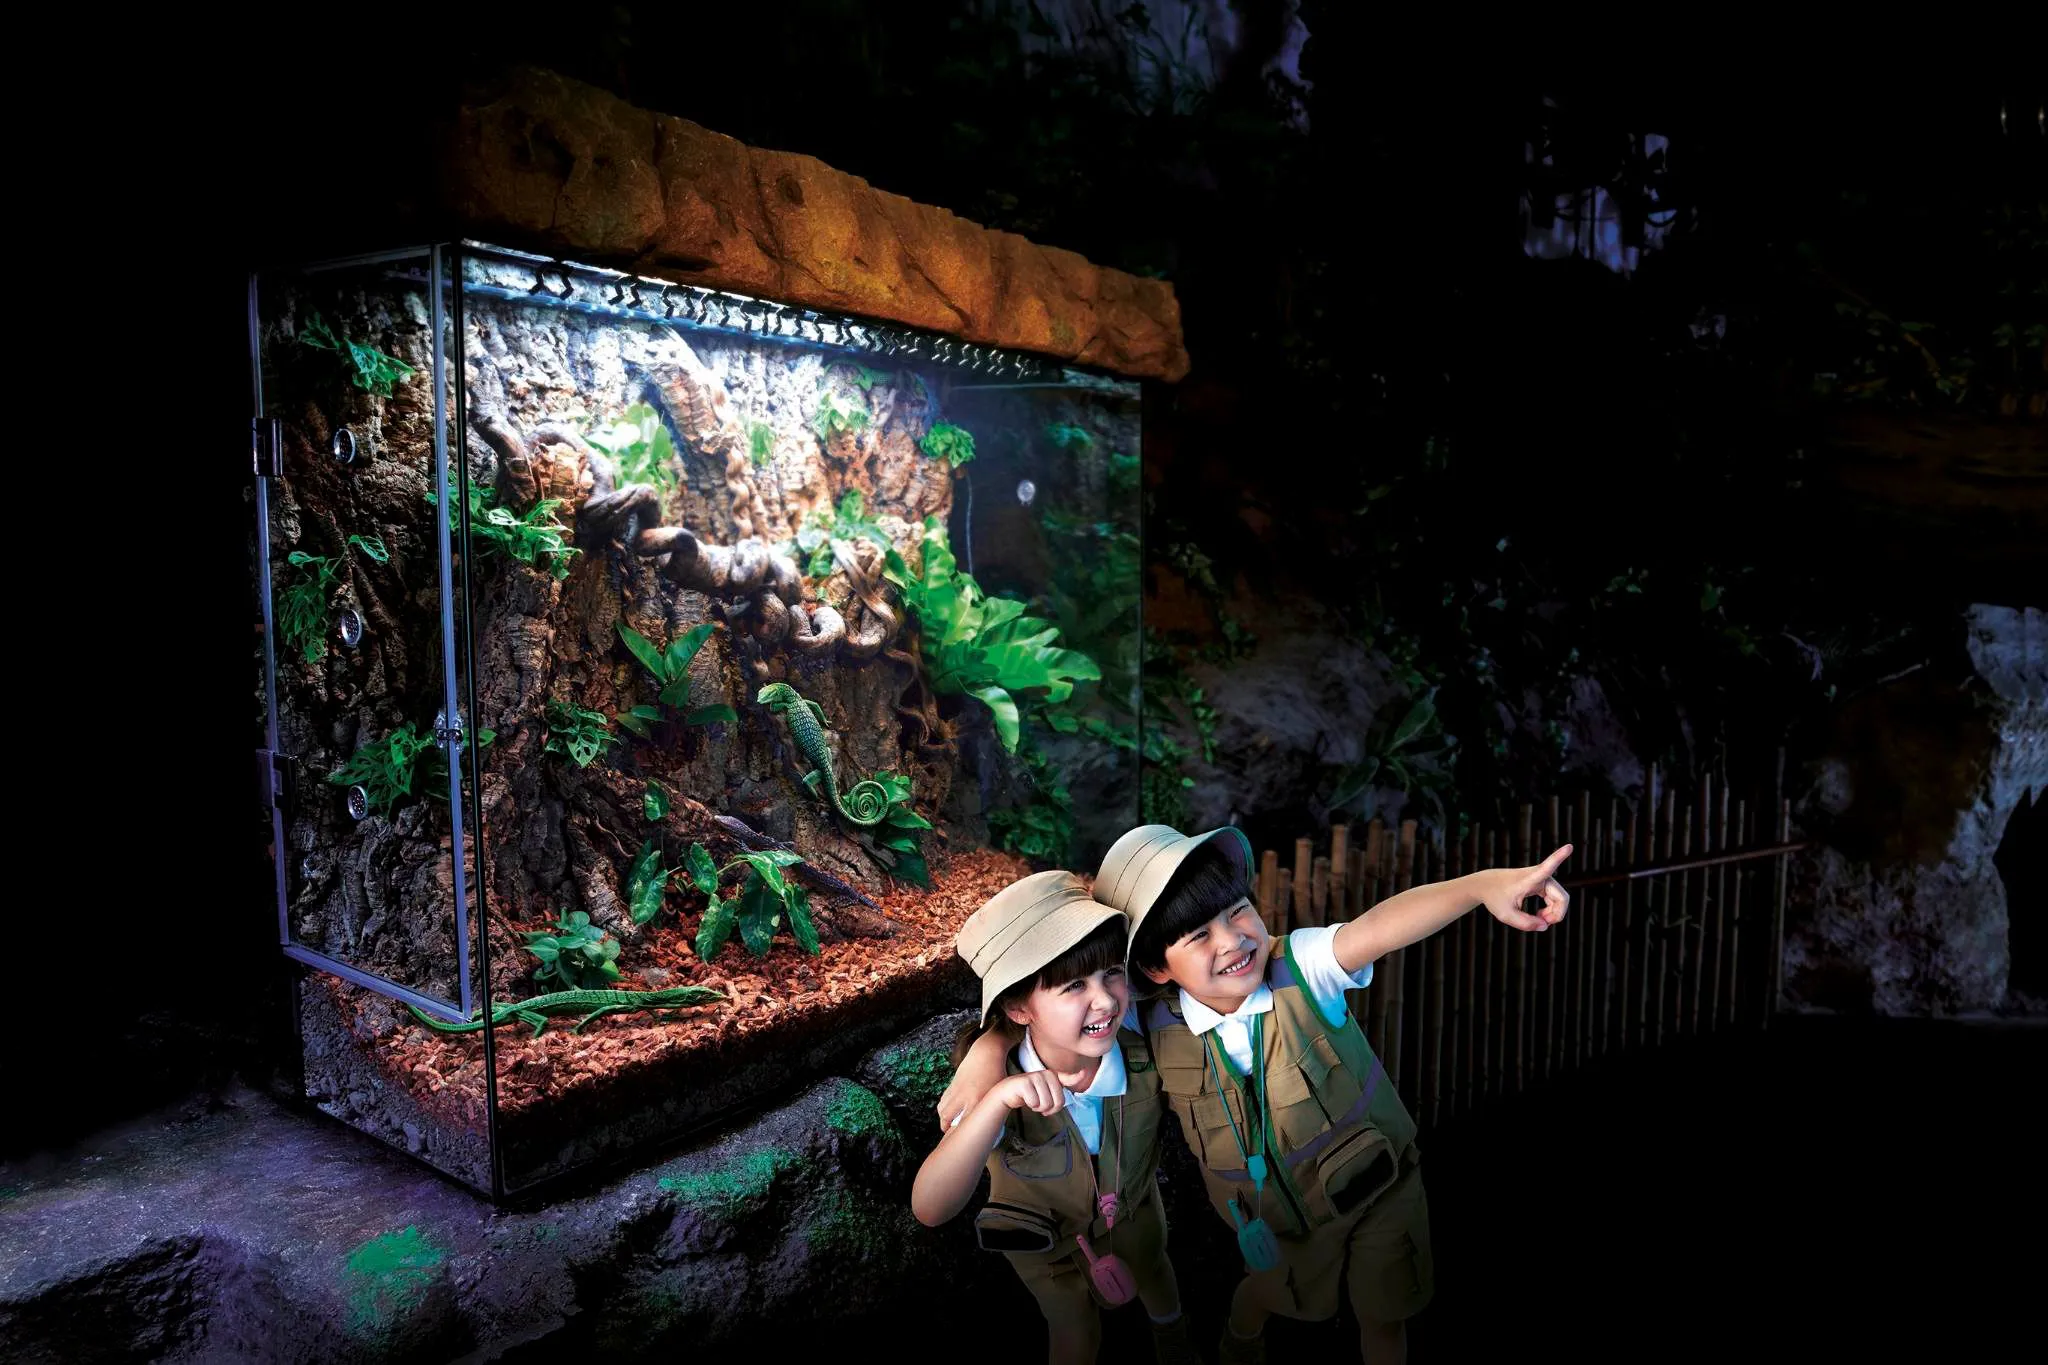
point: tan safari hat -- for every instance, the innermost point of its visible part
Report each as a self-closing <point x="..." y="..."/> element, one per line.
<point x="1140" y="864"/>
<point x="1024" y="926"/>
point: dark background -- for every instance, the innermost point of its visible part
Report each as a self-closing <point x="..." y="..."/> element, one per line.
<point x="1350" y="295"/>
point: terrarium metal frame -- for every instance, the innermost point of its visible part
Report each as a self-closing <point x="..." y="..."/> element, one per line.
<point x="450" y="272"/>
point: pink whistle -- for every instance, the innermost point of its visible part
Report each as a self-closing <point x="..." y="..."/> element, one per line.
<point x="1106" y="1205"/>
<point x="1111" y="1276"/>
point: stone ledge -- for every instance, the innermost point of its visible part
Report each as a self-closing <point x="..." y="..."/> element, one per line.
<point x="549" y="164"/>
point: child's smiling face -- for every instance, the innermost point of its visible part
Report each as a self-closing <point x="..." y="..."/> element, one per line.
<point x="1221" y="962"/>
<point x="1078" y="1017"/>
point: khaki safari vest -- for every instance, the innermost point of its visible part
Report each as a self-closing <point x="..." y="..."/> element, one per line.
<point x="1337" y="1136"/>
<point x="1040" y="1196"/>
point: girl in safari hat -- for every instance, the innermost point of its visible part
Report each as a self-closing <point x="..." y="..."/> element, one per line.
<point x="1069" y="1135"/>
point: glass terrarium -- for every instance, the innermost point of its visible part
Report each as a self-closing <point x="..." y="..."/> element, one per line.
<point x="655" y="679"/>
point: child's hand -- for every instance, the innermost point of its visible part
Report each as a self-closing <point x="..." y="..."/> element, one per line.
<point x="1039" y="1091"/>
<point x="1507" y="887"/>
<point x="977" y="1074"/>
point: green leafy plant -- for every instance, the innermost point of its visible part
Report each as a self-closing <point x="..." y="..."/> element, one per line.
<point x="302" y="608"/>
<point x="829" y="527"/>
<point x="655" y="802"/>
<point x="898" y="830"/>
<point x="575" y="955"/>
<point x="671" y="668"/>
<point x="766" y="900"/>
<point x="867" y="378"/>
<point x="954" y="445"/>
<point x="646" y="883"/>
<point x="834" y="420"/>
<point x="384" y="768"/>
<point x="761" y="443"/>
<point x="369" y="368"/>
<point x="530" y="539"/>
<point x="640" y="442"/>
<point x="984" y="646"/>
<point x="1069" y="437"/>
<point x="1399" y="754"/>
<point x="576" y="731"/>
<point x="1042" y="827"/>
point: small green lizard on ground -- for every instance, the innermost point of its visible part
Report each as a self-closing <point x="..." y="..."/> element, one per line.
<point x="538" y="1010"/>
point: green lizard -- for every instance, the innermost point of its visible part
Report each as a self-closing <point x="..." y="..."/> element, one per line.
<point x="868" y="803"/>
<point x="540" y="1008"/>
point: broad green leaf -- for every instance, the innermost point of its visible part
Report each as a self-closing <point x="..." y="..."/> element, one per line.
<point x="766" y="869"/>
<point x="655" y="802"/>
<point x="902" y="817"/>
<point x="1417" y="720"/>
<point x="896" y="839"/>
<point x="637" y="725"/>
<point x="910" y="867"/>
<point x="706" y="715"/>
<point x="1005" y="709"/>
<point x="684" y="648"/>
<point x="782" y="857"/>
<point x="715" y="929"/>
<point x="799" y="907"/>
<point x="758" y="907"/>
<point x="676" y="694"/>
<point x="647" y="898"/>
<point x="373" y="546"/>
<point x="703" y="872"/>
<point x="643" y="649"/>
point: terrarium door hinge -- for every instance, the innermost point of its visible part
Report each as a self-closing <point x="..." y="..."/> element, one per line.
<point x="266" y="447"/>
<point x="273" y="778"/>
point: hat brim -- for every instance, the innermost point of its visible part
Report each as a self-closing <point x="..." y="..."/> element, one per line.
<point x="1137" y="868"/>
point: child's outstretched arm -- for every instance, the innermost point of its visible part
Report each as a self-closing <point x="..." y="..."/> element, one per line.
<point x="976" y="1075"/>
<point x="949" y="1175"/>
<point x="1420" y="911"/>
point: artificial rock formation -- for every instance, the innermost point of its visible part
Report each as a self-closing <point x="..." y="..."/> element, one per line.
<point x="546" y="163"/>
<point x="1899" y="909"/>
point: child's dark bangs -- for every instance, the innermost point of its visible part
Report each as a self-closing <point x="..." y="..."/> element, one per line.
<point x="1203" y="887"/>
<point x="1101" y="950"/>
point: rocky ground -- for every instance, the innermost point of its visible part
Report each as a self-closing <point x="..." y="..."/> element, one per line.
<point x="1831" y="1187"/>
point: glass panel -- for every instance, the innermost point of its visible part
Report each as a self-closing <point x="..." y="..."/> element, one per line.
<point x="359" y="675"/>
<point x="691" y="517"/>
<point x="1049" y="515"/>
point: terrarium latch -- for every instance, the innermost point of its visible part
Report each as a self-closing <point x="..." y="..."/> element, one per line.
<point x="273" y="778"/>
<point x="447" y="736"/>
<point x="266" y="447"/>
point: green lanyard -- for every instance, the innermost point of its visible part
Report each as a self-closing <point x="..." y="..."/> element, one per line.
<point x="1255" y="1162"/>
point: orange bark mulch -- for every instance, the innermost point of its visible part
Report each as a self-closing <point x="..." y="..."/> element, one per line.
<point x="776" y="993"/>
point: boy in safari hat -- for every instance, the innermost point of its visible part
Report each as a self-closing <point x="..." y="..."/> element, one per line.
<point x="1069" y="1133"/>
<point x="1306" y="1150"/>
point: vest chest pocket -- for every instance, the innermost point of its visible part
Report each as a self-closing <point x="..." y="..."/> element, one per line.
<point x="1295" y="1094"/>
<point x="1046" y="1161"/>
<point x="1212" y="1130"/>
